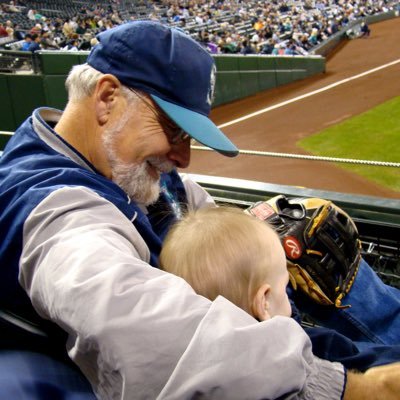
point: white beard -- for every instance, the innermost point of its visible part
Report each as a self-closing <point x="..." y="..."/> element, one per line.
<point x="134" y="178"/>
<point x="136" y="181"/>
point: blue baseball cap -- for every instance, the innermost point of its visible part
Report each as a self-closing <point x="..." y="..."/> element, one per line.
<point x="172" y="68"/>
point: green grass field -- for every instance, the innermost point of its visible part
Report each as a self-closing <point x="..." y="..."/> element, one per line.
<point x="373" y="135"/>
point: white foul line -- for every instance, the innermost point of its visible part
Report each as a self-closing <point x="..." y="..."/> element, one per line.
<point x="303" y="96"/>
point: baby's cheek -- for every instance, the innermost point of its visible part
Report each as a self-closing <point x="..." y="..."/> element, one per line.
<point x="288" y="307"/>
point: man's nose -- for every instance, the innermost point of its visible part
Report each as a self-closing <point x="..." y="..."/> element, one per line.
<point x="180" y="154"/>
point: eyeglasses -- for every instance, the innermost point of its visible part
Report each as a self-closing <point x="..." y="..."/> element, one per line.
<point x="174" y="133"/>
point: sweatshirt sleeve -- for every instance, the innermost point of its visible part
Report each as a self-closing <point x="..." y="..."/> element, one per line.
<point x="196" y="195"/>
<point x="138" y="332"/>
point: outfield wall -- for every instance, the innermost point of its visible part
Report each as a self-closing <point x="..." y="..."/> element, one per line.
<point x="237" y="77"/>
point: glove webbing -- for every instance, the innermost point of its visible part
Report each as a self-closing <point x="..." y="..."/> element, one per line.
<point x="331" y="234"/>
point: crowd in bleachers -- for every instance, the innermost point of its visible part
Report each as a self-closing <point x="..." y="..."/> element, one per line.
<point x="222" y="26"/>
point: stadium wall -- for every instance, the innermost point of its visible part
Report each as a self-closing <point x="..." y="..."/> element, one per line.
<point x="237" y="77"/>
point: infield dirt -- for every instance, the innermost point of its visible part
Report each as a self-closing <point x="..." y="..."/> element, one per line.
<point x="279" y="129"/>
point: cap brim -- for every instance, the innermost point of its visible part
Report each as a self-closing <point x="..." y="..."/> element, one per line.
<point x="198" y="126"/>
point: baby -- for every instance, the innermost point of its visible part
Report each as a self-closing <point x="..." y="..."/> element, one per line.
<point x="223" y="251"/>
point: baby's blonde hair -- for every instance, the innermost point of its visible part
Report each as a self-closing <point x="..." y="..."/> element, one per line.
<point x="220" y="251"/>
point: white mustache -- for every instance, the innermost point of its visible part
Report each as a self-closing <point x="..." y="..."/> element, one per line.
<point x="161" y="164"/>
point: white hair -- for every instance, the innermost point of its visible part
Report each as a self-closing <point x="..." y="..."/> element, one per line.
<point x="82" y="80"/>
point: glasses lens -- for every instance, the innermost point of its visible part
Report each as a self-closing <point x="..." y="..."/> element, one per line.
<point x="174" y="133"/>
<point x="179" y="137"/>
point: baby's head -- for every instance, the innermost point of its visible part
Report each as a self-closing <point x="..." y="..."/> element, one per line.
<point x="223" y="251"/>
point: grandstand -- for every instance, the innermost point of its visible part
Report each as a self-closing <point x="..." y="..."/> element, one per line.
<point x="291" y="27"/>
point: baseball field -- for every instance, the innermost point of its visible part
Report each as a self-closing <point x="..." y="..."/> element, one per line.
<point x="350" y="111"/>
<point x="378" y="130"/>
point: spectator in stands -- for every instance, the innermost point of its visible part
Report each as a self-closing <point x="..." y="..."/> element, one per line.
<point x="304" y="42"/>
<point x="246" y="48"/>
<point x="72" y="45"/>
<point x="35" y="44"/>
<point x="259" y="25"/>
<point x="19" y="33"/>
<point x="67" y="29"/>
<point x="93" y="42"/>
<point x="287" y="25"/>
<point x="85" y="42"/>
<point x="36" y="29"/>
<point x="199" y="19"/>
<point x="39" y="17"/>
<point x="3" y="31"/>
<point x="81" y="28"/>
<point x="9" y="28"/>
<point x="255" y="39"/>
<point x="47" y="43"/>
<point x="27" y="42"/>
<point x="334" y="27"/>
<point x="268" y="47"/>
<point x="12" y="8"/>
<point x="203" y="38"/>
<point x="31" y="14"/>
<point x="228" y="46"/>
<point x="290" y="49"/>
<point x="212" y="48"/>
<point x="276" y="49"/>
<point x="313" y="38"/>
<point x="365" y="31"/>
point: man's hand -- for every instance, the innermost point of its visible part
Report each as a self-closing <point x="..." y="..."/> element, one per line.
<point x="376" y="383"/>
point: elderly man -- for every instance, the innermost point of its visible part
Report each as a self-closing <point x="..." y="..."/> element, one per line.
<point x="87" y="196"/>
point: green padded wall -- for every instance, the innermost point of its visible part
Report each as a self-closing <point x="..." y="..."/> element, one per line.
<point x="58" y="63"/>
<point x="283" y="70"/>
<point x="83" y="55"/>
<point x="26" y="94"/>
<point x="266" y="72"/>
<point x="228" y="80"/>
<point x="299" y="68"/>
<point x="237" y="77"/>
<point x="7" y="110"/>
<point x="55" y="92"/>
<point x="372" y="19"/>
<point x="248" y="69"/>
<point x="314" y="65"/>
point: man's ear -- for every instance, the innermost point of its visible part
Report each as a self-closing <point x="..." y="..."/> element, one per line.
<point x="107" y="92"/>
<point x="260" y="303"/>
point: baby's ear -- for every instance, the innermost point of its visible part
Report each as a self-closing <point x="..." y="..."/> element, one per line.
<point x="260" y="305"/>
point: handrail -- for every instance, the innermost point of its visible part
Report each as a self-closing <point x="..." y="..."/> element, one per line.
<point x="309" y="157"/>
